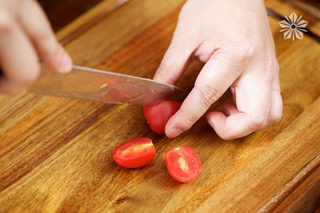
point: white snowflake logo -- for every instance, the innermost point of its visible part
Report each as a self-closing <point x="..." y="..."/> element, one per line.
<point x="293" y="27"/>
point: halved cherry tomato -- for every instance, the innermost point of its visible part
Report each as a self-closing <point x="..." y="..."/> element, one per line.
<point x="157" y="115"/>
<point x="183" y="164"/>
<point x="134" y="153"/>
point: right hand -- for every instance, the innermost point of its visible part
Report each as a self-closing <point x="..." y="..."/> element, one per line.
<point x="25" y="37"/>
<point x="237" y="54"/>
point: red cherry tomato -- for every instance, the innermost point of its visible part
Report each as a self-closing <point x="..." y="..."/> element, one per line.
<point x="157" y="115"/>
<point x="134" y="153"/>
<point x="183" y="164"/>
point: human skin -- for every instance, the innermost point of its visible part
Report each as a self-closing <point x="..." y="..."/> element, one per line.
<point x="25" y="38"/>
<point x="232" y="38"/>
<point x="234" y="41"/>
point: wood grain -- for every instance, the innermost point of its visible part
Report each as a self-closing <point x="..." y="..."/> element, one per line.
<point x="61" y="12"/>
<point x="305" y="198"/>
<point x="55" y="153"/>
<point x="285" y="9"/>
<point x="311" y="7"/>
<point x="87" y="20"/>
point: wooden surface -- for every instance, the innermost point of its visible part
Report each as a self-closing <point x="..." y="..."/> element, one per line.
<point x="286" y="7"/>
<point x="305" y="198"/>
<point x="311" y="7"/>
<point x="55" y="153"/>
<point x="62" y="12"/>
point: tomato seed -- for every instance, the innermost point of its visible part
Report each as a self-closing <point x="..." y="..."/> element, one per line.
<point x="183" y="164"/>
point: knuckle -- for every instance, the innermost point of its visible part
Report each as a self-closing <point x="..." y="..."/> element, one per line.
<point x="226" y="136"/>
<point x="258" y="122"/>
<point x="205" y="51"/>
<point x="208" y="94"/>
<point x="276" y="118"/>
<point x="185" y="122"/>
<point x="47" y="43"/>
<point x="205" y="55"/>
<point x="244" y="51"/>
<point x="44" y="36"/>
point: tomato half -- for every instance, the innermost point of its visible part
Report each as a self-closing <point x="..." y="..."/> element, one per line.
<point x="134" y="153"/>
<point x="183" y="164"/>
<point x="157" y="115"/>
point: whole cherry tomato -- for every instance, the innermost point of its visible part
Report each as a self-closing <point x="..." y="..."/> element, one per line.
<point x="157" y="115"/>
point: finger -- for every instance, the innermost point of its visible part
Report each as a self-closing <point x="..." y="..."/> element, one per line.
<point x="37" y="27"/>
<point x="17" y="58"/>
<point x="229" y="109"/>
<point x="220" y="123"/>
<point x="276" y="104"/>
<point x="214" y="79"/>
<point x="175" y="60"/>
<point x="253" y="106"/>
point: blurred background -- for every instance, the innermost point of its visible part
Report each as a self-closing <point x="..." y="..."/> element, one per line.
<point x="310" y="7"/>
<point x="61" y="12"/>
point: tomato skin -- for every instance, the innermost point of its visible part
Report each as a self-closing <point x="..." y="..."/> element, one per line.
<point x="183" y="164"/>
<point x="134" y="153"/>
<point x="157" y="115"/>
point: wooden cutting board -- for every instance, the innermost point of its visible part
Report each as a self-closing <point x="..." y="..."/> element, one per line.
<point x="55" y="153"/>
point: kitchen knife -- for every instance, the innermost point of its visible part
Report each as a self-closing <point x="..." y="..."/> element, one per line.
<point x="104" y="86"/>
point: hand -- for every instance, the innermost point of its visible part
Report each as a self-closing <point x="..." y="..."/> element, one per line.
<point x="234" y="41"/>
<point x="26" y="36"/>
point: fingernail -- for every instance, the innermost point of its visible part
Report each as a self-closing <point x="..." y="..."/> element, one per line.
<point x="174" y="132"/>
<point x="66" y="63"/>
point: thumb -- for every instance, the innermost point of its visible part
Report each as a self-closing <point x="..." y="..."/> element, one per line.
<point x="175" y="60"/>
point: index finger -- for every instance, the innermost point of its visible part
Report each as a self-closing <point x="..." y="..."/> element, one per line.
<point x="214" y="79"/>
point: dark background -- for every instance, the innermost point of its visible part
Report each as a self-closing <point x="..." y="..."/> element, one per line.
<point x="61" y="12"/>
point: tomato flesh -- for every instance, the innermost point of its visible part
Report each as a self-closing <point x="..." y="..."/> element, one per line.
<point x="183" y="164"/>
<point x="134" y="153"/>
<point x="157" y="115"/>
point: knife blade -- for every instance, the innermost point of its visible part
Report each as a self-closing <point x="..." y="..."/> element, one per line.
<point x="104" y="86"/>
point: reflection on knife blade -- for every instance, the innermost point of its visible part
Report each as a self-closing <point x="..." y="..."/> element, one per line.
<point x="104" y="86"/>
